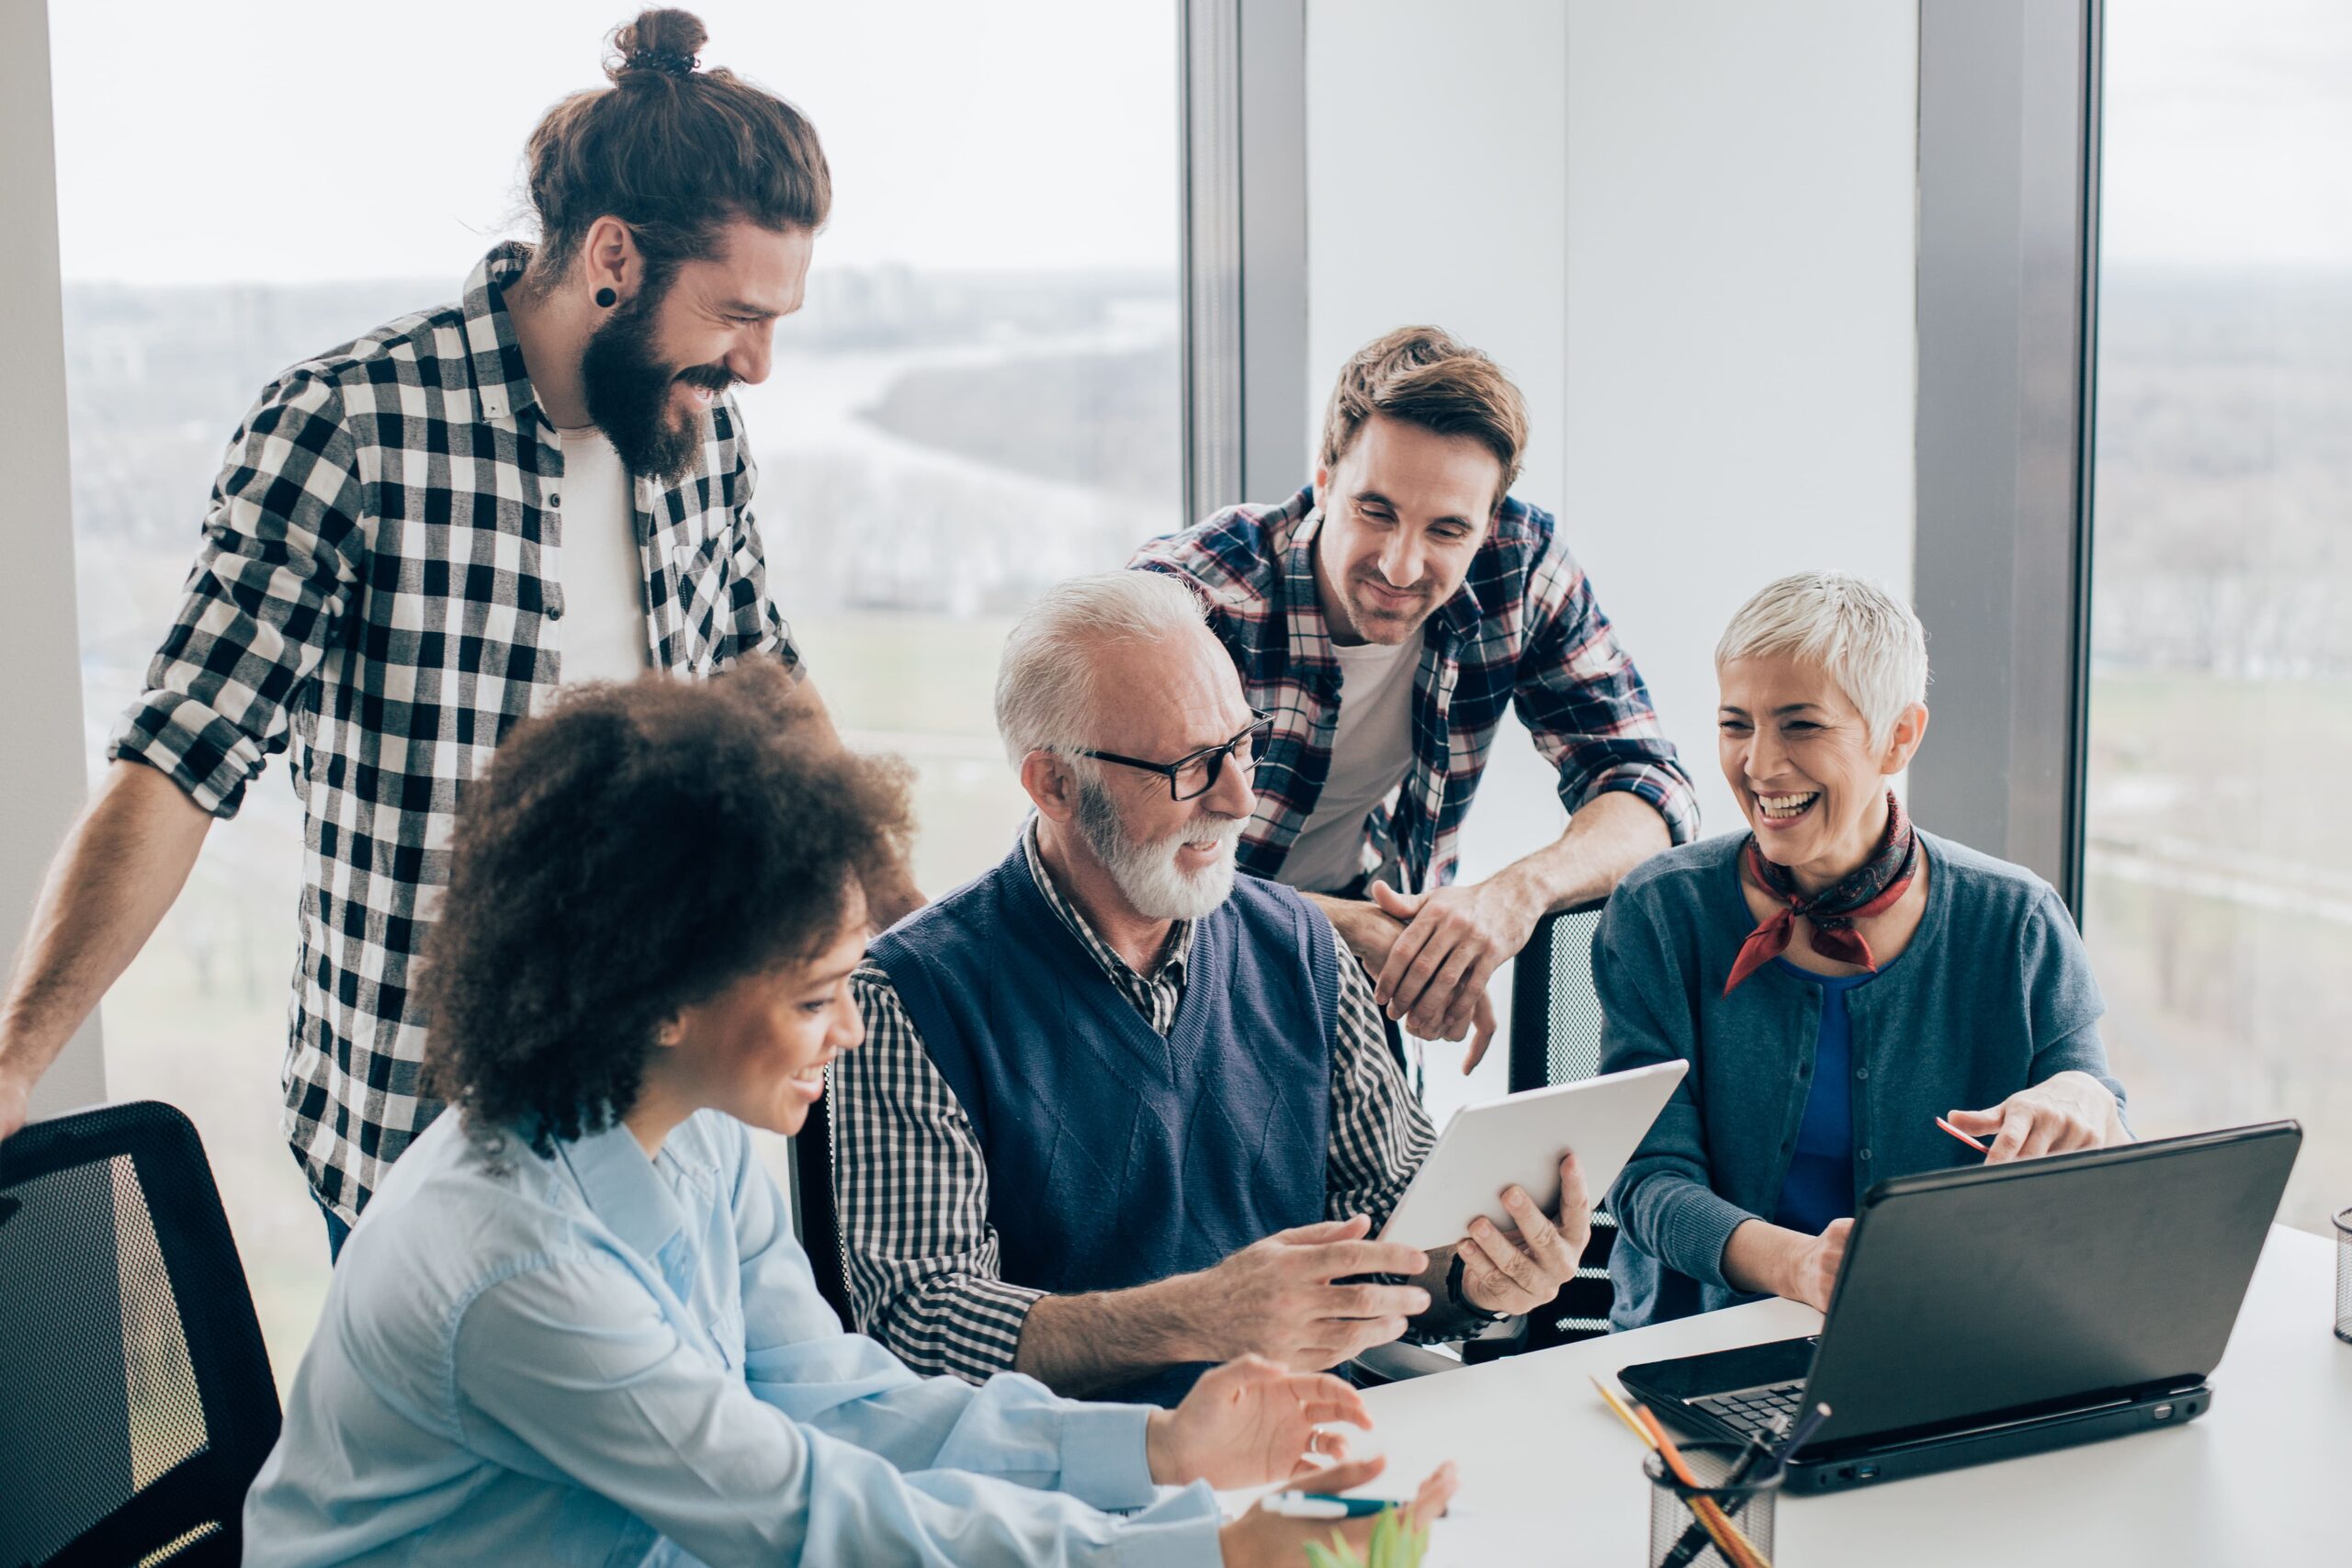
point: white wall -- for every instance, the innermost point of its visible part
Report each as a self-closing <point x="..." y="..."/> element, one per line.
<point x="1685" y="229"/>
<point x="41" y="671"/>
<point x="1741" y="192"/>
<point x="1436" y="157"/>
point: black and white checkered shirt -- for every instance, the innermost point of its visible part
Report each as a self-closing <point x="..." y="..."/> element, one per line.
<point x="381" y="585"/>
<point x="911" y="1184"/>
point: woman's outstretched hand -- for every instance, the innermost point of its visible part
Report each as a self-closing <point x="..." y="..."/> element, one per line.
<point x="1251" y="1421"/>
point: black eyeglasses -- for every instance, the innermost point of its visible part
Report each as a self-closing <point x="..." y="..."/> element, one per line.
<point x="1196" y="773"/>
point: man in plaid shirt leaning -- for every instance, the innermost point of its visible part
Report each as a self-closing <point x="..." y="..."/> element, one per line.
<point x="1408" y="578"/>
<point x="416" y="537"/>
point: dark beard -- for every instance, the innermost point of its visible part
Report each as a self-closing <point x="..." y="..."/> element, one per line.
<point x="628" y="386"/>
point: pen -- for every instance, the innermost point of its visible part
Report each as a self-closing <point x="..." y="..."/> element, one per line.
<point x="1708" y="1515"/>
<point x="1693" y="1540"/>
<point x="1734" y="1547"/>
<point x="1980" y="1148"/>
<point x="1729" y="1539"/>
<point x="1319" y="1505"/>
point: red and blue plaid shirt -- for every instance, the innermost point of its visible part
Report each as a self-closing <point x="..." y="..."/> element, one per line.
<point x="1523" y="628"/>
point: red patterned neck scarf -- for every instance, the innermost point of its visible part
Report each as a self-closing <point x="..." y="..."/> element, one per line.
<point x="1870" y="889"/>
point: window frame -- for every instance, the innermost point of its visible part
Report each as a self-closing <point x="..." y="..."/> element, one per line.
<point x="1242" y="100"/>
<point x="41" y="640"/>
<point x="2007" y="400"/>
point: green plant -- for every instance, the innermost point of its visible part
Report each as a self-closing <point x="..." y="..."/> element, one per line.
<point x="1393" y="1545"/>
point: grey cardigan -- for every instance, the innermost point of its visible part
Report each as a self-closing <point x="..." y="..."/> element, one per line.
<point x="1993" y="995"/>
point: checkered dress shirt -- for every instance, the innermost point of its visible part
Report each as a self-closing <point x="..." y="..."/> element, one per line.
<point x="1524" y="629"/>
<point x="911" y="1184"/>
<point x="380" y="585"/>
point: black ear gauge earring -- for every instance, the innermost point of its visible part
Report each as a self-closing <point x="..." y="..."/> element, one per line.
<point x="607" y="297"/>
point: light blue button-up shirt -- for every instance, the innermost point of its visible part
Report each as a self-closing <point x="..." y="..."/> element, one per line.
<point x="599" y="1359"/>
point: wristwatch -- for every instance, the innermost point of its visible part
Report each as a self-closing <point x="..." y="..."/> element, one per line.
<point x="1462" y="1303"/>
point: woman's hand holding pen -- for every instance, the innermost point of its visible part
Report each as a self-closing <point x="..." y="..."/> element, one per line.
<point x="1262" y="1537"/>
<point x="2061" y="1114"/>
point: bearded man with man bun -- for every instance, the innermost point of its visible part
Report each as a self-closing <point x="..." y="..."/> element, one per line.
<point x="417" y="537"/>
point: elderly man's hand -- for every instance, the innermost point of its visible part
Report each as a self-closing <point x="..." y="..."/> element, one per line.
<point x="1281" y="1298"/>
<point x="1520" y="1271"/>
<point x="2059" y="1115"/>
<point x="1453" y="941"/>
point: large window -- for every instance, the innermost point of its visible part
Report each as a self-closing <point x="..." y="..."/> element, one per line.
<point x="2218" y="897"/>
<point x="981" y="395"/>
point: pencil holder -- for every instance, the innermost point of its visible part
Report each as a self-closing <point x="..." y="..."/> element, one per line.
<point x="1676" y="1508"/>
<point x="2343" y="1275"/>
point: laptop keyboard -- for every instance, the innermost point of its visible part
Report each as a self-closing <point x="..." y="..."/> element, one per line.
<point x="1765" y="1413"/>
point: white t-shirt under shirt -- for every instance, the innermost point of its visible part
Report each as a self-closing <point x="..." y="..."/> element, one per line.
<point x="602" y="576"/>
<point x="1372" y="746"/>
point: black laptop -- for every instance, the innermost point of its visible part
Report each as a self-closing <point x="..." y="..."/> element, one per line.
<point x="1996" y="1311"/>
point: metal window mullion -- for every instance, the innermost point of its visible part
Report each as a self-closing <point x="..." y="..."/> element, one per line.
<point x="2007" y="190"/>
<point x="1243" y="183"/>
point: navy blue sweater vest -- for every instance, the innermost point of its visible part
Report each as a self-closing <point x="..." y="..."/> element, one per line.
<point x="1115" y="1157"/>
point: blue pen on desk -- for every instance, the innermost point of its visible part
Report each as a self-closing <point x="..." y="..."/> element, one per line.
<point x="1319" y="1505"/>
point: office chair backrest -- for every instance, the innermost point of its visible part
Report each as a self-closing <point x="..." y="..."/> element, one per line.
<point x="136" y="1402"/>
<point x="1555" y="1038"/>
<point x="1555" y="1010"/>
<point x="821" y="1237"/>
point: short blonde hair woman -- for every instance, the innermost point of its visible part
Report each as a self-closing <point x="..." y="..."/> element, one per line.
<point x="1837" y="977"/>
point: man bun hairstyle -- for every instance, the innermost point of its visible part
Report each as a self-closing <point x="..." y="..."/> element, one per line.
<point x="675" y="152"/>
<point x="1422" y="377"/>
<point x="633" y="852"/>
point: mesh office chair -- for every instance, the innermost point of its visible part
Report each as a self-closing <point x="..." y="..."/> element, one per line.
<point x="1555" y="1038"/>
<point x="136" y="1402"/>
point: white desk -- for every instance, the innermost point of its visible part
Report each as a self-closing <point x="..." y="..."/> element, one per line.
<point x="1549" y="1476"/>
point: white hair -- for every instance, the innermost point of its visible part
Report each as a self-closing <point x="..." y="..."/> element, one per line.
<point x="1867" y="639"/>
<point x="1045" y="685"/>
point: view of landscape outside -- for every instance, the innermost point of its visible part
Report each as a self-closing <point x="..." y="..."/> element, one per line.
<point x="2218" y="904"/>
<point x="960" y="416"/>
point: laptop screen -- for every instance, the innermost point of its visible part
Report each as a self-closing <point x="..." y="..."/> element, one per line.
<point x="2004" y="1288"/>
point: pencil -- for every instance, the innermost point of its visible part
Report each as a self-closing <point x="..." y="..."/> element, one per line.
<point x="1625" y="1413"/>
<point x="1729" y="1537"/>
<point x="1693" y="1538"/>
<point x="1717" y="1525"/>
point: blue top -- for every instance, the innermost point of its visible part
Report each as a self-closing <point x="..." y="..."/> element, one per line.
<point x="1819" y="1186"/>
<point x="602" y="1359"/>
<point x="1993" y="995"/>
<point x="1117" y="1156"/>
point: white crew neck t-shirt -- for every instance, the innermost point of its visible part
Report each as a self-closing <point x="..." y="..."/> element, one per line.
<point x="1372" y="746"/>
<point x="604" y="632"/>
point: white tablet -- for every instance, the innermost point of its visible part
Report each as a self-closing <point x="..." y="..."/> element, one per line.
<point x="1520" y="1138"/>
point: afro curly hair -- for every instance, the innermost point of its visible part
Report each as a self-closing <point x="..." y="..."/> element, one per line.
<point x="634" y="850"/>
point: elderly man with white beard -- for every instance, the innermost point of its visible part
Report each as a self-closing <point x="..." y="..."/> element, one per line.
<point x="1122" y="1114"/>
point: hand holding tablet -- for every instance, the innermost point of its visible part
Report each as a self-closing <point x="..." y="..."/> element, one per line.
<point x="1517" y="1141"/>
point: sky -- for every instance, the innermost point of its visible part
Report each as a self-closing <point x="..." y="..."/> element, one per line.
<point x="2228" y="133"/>
<point x="237" y="141"/>
<point x="232" y="140"/>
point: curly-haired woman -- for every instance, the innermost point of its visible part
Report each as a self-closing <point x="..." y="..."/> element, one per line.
<point x="574" y="1327"/>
